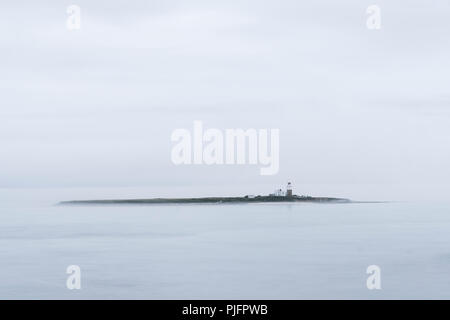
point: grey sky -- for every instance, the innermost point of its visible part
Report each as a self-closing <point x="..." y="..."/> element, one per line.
<point x="96" y="107"/>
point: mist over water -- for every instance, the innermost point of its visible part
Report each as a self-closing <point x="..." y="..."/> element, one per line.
<point x="257" y="251"/>
<point x="97" y="106"/>
<point x="89" y="113"/>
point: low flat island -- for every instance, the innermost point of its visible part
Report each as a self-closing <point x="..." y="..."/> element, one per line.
<point x="278" y="196"/>
<point x="215" y="200"/>
<point x="210" y="200"/>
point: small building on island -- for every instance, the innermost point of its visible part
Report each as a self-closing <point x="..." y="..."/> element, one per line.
<point x="289" y="190"/>
<point x="282" y="193"/>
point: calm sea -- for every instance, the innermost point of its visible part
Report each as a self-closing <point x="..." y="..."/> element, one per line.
<point x="254" y="251"/>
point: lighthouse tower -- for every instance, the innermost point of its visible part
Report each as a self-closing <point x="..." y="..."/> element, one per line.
<point x="289" y="190"/>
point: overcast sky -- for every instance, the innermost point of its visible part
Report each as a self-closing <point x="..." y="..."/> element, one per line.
<point x="96" y="106"/>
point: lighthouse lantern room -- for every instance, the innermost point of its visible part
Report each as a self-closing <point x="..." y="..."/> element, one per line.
<point x="289" y="190"/>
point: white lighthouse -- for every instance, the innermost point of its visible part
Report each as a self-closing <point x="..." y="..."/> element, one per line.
<point x="289" y="190"/>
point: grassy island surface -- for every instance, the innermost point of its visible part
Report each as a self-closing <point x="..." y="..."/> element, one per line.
<point x="212" y="200"/>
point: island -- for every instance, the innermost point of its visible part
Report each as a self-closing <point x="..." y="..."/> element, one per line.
<point x="278" y="196"/>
